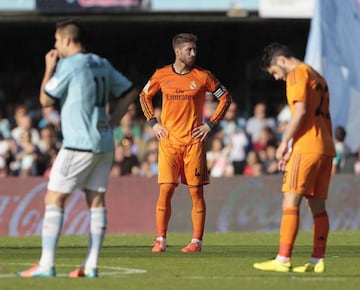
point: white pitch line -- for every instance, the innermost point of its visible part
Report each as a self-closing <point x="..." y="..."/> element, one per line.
<point x="114" y="271"/>
<point x="252" y="277"/>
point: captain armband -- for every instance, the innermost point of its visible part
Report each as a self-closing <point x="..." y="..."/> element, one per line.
<point x="219" y="92"/>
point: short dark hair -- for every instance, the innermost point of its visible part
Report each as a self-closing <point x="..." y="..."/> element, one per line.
<point x="72" y="28"/>
<point x="340" y="133"/>
<point x="182" y="38"/>
<point x="273" y="50"/>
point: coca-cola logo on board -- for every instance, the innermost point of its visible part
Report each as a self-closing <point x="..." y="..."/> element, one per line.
<point x="22" y="214"/>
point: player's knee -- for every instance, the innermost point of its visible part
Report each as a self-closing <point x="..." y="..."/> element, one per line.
<point x="167" y="189"/>
<point x="55" y="198"/>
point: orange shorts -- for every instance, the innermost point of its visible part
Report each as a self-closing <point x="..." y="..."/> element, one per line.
<point x="185" y="161"/>
<point x="308" y="174"/>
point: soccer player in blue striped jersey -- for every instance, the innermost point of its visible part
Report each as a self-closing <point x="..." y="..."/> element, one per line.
<point x="83" y="83"/>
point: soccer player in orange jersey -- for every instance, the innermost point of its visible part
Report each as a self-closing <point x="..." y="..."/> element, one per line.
<point x="307" y="161"/>
<point x="181" y="133"/>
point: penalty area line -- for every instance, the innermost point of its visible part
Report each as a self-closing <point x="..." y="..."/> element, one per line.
<point x="104" y="270"/>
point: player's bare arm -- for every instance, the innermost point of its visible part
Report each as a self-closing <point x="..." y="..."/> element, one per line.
<point x="297" y="117"/>
<point x="122" y="106"/>
<point x="51" y="59"/>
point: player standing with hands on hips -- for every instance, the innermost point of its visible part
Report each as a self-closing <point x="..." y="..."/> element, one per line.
<point x="181" y="133"/>
<point x="308" y="162"/>
<point x="83" y="83"/>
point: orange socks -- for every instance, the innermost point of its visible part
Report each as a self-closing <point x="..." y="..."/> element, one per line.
<point x="288" y="230"/>
<point x="321" y="231"/>
<point x="198" y="211"/>
<point x="163" y="208"/>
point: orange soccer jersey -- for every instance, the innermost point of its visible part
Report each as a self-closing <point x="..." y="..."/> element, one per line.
<point x="309" y="167"/>
<point x="315" y="136"/>
<point x="183" y="98"/>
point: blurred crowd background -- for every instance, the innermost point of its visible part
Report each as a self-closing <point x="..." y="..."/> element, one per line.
<point x="136" y="38"/>
<point x="31" y="139"/>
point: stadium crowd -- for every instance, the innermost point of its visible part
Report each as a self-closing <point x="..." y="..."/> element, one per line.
<point x="31" y="138"/>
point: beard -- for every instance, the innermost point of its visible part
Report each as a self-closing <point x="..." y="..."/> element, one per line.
<point x="284" y="72"/>
<point x="188" y="61"/>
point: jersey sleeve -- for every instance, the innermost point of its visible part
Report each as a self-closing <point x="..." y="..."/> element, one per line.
<point x="222" y="95"/>
<point x="56" y="87"/>
<point x="297" y="89"/>
<point x="147" y="94"/>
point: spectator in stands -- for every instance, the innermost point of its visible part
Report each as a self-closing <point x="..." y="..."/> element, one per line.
<point x="50" y="116"/>
<point x="149" y="166"/>
<point x="143" y="170"/>
<point x="148" y="132"/>
<point x="209" y="106"/>
<point x="128" y="128"/>
<point x="19" y="111"/>
<point x="283" y="119"/>
<point x="24" y="125"/>
<point x="5" y="155"/>
<point x="118" y="158"/>
<point x="50" y="159"/>
<point x="230" y="124"/>
<point x="49" y="145"/>
<point x="357" y="163"/>
<point x="217" y="158"/>
<point x="253" y="165"/>
<point x="4" y="127"/>
<point x="3" y="167"/>
<point x="342" y="150"/>
<point x="26" y="157"/>
<point x="150" y="156"/>
<point x="258" y="121"/>
<point x="270" y="164"/>
<point x="130" y="161"/>
<point x="234" y="137"/>
<point x="48" y="139"/>
<point x="266" y="138"/>
<point x="239" y="147"/>
<point x="147" y="145"/>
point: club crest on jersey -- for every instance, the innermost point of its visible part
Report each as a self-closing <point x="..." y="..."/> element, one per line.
<point x="193" y="85"/>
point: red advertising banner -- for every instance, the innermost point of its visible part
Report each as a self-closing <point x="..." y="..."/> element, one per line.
<point x="233" y="204"/>
<point x="88" y="5"/>
<point x="130" y="204"/>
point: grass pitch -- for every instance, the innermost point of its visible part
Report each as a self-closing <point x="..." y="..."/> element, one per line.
<point x="126" y="262"/>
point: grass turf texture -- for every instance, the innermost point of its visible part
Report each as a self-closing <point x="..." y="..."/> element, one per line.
<point x="126" y="262"/>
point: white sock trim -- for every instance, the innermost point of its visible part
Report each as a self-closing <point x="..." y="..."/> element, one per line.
<point x="196" y="241"/>
<point x="282" y="259"/>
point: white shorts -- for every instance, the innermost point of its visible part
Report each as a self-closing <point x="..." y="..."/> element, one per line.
<point x="80" y="170"/>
